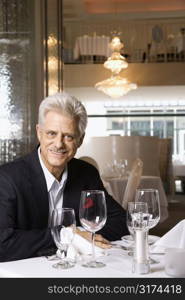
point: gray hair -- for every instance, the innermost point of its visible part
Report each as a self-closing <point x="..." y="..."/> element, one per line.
<point x="64" y="103"/>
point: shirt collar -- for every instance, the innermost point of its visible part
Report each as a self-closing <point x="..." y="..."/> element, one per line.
<point x="50" y="179"/>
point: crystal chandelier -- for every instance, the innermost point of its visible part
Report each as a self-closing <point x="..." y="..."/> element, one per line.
<point x="115" y="86"/>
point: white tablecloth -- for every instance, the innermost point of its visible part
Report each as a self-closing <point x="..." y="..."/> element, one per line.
<point x="92" y="45"/>
<point x="118" y="264"/>
<point x="116" y="187"/>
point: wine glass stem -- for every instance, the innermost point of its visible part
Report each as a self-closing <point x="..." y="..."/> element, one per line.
<point x="93" y="250"/>
<point x="65" y="254"/>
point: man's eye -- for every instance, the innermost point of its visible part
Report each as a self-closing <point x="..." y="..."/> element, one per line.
<point x="50" y="133"/>
<point x="69" y="138"/>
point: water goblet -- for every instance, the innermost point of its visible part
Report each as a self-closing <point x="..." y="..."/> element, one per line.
<point x="63" y="226"/>
<point x="138" y="220"/>
<point x="132" y="210"/>
<point x="151" y="197"/>
<point x="93" y="215"/>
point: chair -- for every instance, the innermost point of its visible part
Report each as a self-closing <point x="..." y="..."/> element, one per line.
<point x="106" y="149"/>
<point x="101" y="149"/>
<point x="133" y="182"/>
<point x="90" y="160"/>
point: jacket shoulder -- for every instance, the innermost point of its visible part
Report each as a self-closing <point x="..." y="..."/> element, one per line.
<point x="81" y="164"/>
<point x="19" y="165"/>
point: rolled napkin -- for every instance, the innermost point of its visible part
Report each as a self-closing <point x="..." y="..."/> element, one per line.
<point x="81" y="247"/>
<point x="173" y="238"/>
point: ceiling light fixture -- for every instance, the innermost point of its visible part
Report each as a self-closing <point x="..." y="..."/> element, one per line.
<point x="115" y="86"/>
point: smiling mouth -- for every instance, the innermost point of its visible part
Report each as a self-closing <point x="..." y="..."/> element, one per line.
<point x="59" y="152"/>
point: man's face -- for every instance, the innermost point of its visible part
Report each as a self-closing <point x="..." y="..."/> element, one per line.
<point x="59" y="140"/>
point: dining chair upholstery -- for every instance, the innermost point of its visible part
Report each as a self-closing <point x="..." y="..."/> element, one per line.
<point x="133" y="182"/>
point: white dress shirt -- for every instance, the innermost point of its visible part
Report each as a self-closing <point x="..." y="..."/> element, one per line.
<point x="55" y="188"/>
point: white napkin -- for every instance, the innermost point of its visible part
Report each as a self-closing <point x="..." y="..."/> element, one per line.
<point x="84" y="246"/>
<point x="81" y="247"/>
<point x="173" y="238"/>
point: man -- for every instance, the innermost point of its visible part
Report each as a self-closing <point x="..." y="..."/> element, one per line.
<point x="50" y="177"/>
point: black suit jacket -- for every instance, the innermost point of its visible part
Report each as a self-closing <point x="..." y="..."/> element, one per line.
<point x="24" y="206"/>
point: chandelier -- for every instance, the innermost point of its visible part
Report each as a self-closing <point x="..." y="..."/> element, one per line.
<point x="115" y="86"/>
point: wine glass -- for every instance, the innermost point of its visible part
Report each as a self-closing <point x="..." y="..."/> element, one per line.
<point x="63" y="226"/>
<point x="93" y="215"/>
<point x="120" y="167"/>
<point x="151" y="197"/>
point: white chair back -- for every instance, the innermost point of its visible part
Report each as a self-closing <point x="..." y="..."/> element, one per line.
<point x="133" y="182"/>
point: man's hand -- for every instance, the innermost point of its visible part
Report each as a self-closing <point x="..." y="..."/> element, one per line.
<point x="99" y="239"/>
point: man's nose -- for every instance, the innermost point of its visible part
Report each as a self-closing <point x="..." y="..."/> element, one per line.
<point x="59" y="141"/>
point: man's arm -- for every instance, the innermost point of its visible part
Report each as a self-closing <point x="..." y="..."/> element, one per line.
<point x="18" y="244"/>
<point x="17" y="239"/>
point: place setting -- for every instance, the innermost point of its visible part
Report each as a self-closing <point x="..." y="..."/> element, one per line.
<point x="77" y="256"/>
<point x="74" y="249"/>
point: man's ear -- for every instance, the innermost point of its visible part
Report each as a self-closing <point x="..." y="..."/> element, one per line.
<point x="81" y="140"/>
<point x="38" y="132"/>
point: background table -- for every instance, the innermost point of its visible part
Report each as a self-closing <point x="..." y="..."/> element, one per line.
<point x="179" y="170"/>
<point x="116" y="187"/>
<point x="92" y="45"/>
<point x="179" y="174"/>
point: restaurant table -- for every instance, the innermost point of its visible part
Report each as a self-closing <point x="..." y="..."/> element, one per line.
<point x="92" y="45"/>
<point x="179" y="174"/>
<point x="179" y="170"/>
<point x="118" y="264"/>
<point x="116" y="187"/>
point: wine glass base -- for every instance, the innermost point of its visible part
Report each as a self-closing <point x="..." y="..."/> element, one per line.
<point x="130" y="253"/>
<point x="153" y="261"/>
<point x="64" y="265"/>
<point x="94" y="264"/>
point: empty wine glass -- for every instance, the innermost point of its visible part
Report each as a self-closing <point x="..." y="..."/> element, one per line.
<point x="63" y="226"/>
<point x="151" y="197"/>
<point x="93" y="215"/>
<point x="120" y="166"/>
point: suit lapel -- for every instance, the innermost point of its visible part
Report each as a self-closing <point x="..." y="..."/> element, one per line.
<point x="73" y="189"/>
<point x="39" y="188"/>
